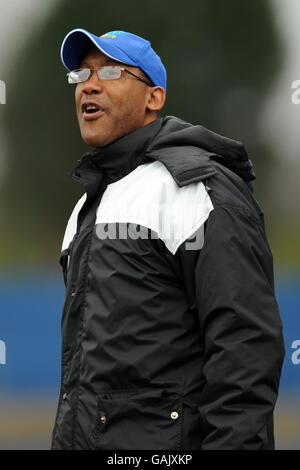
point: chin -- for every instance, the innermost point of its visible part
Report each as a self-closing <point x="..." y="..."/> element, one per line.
<point x="93" y="143"/>
<point x="93" y="140"/>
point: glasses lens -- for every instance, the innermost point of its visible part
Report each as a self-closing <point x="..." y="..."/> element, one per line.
<point x="77" y="76"/>
<point x="110" y="72"/>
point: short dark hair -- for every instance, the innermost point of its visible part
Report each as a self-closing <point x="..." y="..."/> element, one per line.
<point x="145" y="77"/>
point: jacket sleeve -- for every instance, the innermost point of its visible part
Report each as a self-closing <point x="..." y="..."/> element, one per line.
<point x="240" y="323"/>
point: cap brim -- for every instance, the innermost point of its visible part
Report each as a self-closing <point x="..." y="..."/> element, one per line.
<point x="78" y="41"/>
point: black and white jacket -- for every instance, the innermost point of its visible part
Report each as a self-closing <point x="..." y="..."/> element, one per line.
<point x="171" y="334"/>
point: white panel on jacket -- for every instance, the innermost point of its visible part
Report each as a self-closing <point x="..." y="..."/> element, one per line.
<point x="72" y="223"/>
<point x="149" y="196"/>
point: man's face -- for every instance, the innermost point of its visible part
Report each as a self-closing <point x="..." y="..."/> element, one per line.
<point x="122" y="103"/>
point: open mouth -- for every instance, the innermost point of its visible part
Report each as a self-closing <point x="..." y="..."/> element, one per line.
<point x="91" y="111"/>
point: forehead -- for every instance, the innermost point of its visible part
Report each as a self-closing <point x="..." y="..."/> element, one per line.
<point x="95" y="56"/>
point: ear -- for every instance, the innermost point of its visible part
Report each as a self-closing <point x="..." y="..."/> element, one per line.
<point x="156" y="98"/>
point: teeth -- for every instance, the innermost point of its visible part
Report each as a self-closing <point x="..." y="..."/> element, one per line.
<point x="91" y="107"/>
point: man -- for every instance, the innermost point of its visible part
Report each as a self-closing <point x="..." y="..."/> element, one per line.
<point x="171" y="334"/>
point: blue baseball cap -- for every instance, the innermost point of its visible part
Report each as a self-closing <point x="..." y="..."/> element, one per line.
<point x="118" y="45"/>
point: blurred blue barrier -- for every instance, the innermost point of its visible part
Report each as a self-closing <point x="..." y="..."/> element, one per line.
<point x="30" y="327"/>
<point x="30" y="318"/>
<point x="288" y="298"/>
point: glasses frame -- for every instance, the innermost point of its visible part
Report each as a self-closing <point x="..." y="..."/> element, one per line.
<point x="123" y="69"/>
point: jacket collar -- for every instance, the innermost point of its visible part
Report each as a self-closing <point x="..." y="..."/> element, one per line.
<point x="190" y="153"/>
<point x="120" y="157"/>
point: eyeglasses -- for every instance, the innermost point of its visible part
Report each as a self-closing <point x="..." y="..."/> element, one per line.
<point x="108" y="72"/>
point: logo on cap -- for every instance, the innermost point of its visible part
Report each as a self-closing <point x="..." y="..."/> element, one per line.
<point x="112" y="34"/>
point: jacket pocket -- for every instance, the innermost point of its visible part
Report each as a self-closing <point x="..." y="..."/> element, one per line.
<point x="138" y="419"/>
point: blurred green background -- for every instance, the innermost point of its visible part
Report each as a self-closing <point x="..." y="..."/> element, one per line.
<point x="228" y="67"/>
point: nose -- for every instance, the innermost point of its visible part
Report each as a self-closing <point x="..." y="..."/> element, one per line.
<point x="93" y="84"/>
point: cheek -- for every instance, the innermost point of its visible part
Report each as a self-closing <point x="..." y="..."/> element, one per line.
<point x="129" y="105"/>
<point x="77" y="100"/>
